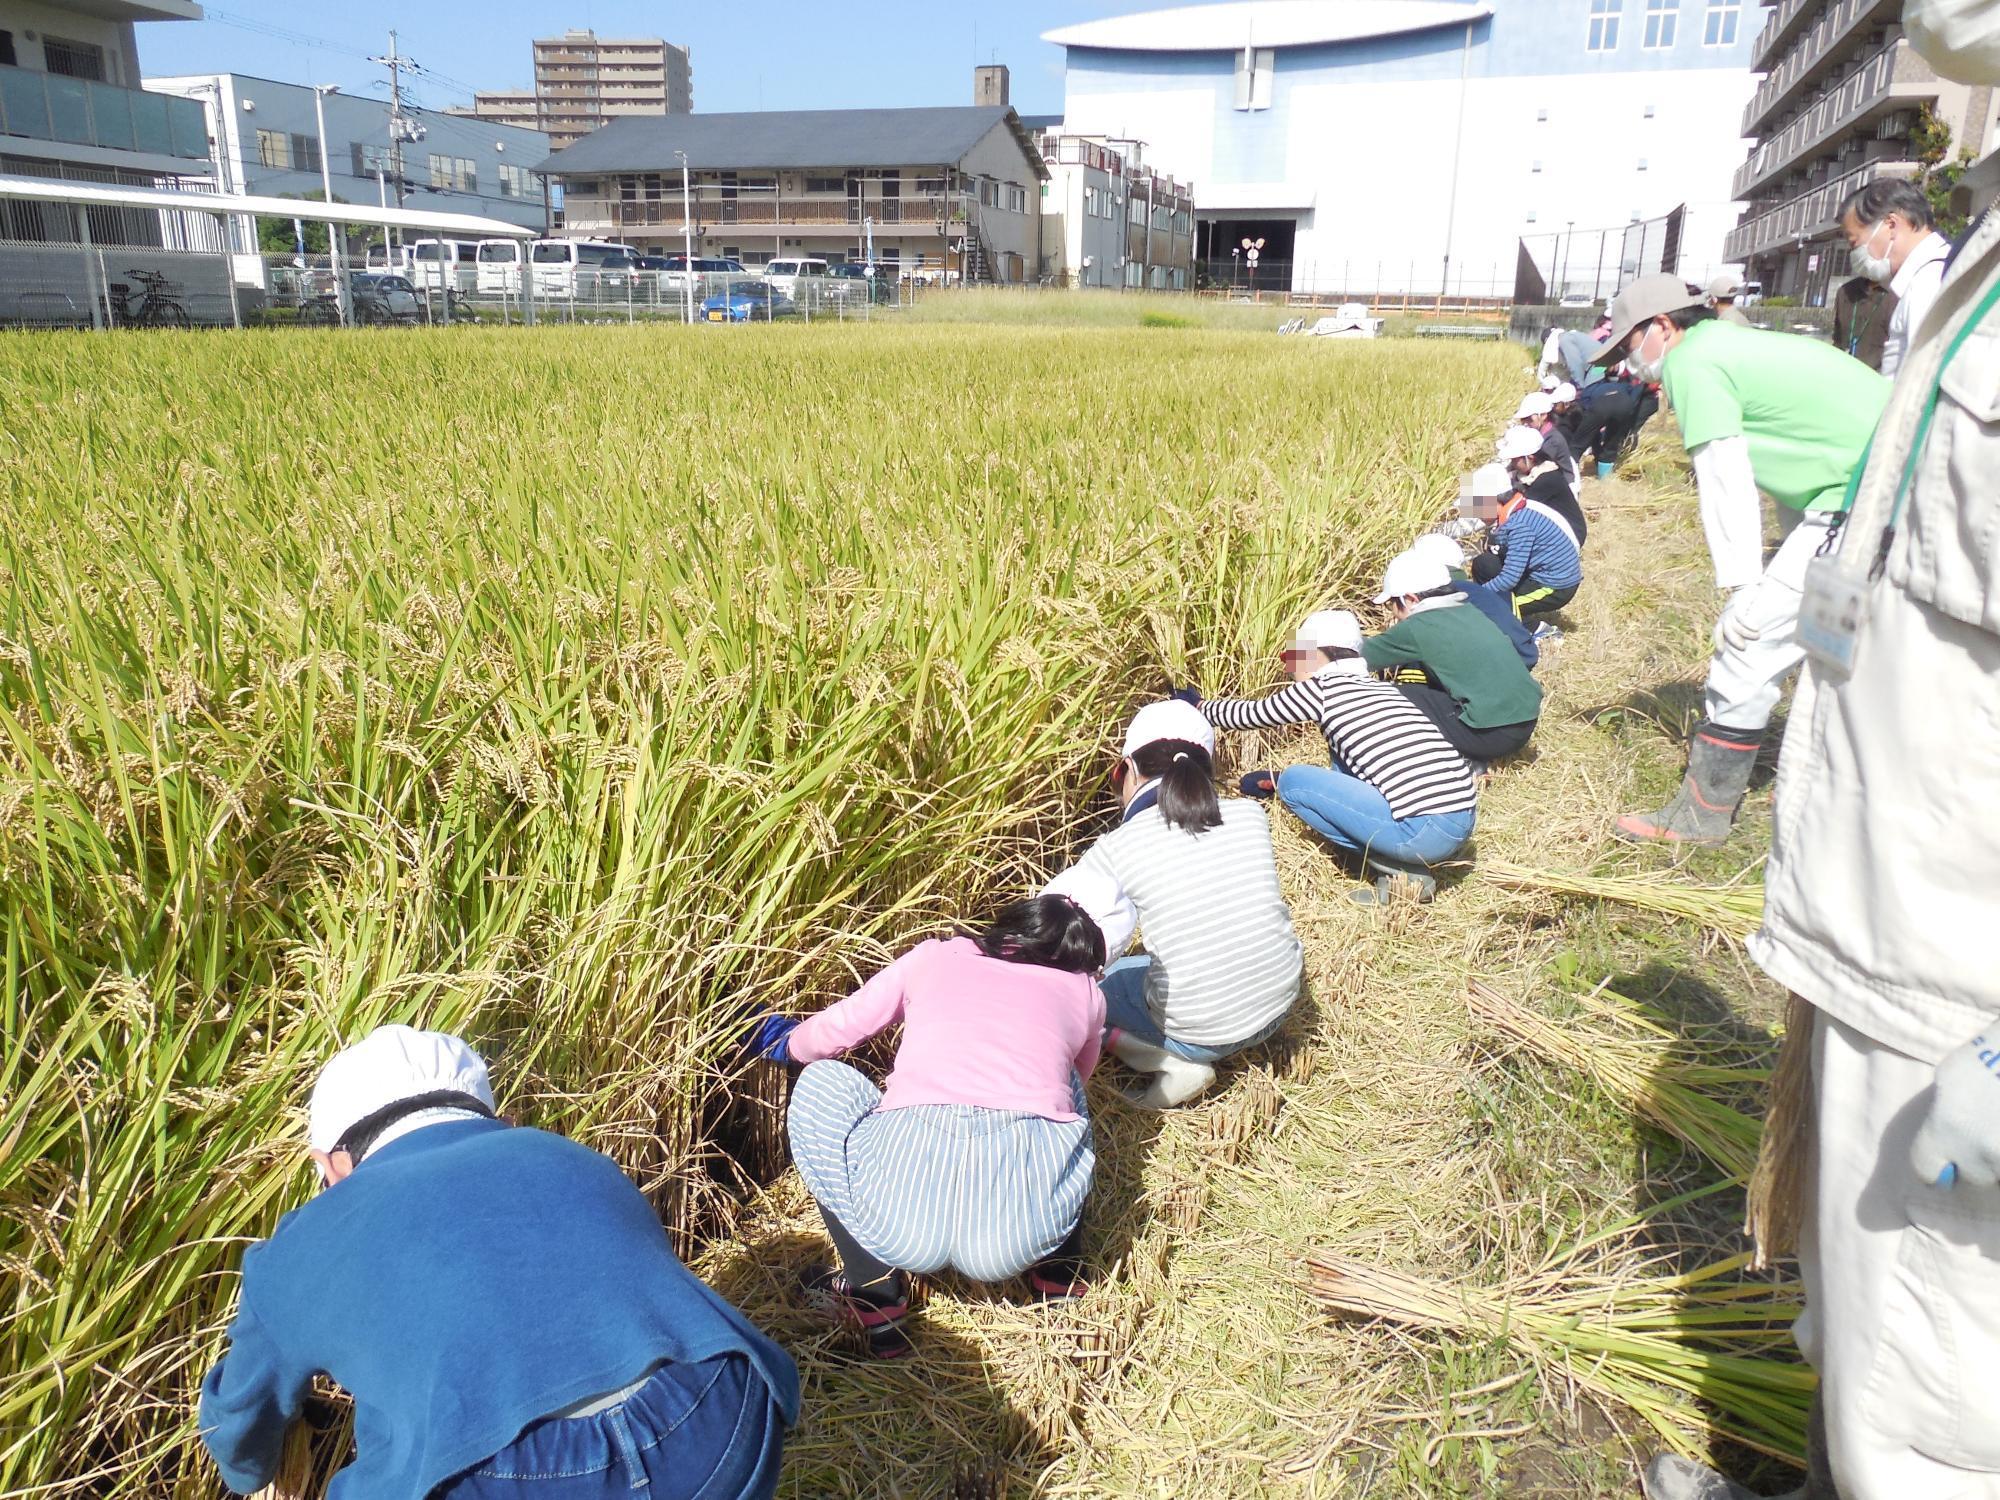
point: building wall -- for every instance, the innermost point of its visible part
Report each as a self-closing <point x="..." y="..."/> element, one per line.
<point x="1009" y="233"/>
<point x="1073" y="234"/>
<point x="1358" y="142"/>
<point x="31" y="22"/>
<point x="288" y="109"/>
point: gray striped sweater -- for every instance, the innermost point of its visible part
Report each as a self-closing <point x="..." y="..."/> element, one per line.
<point x="1372" y="730"/>
<point x="1225" y="959"/>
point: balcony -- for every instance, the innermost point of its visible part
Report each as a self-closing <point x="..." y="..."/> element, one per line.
<point x="1786" y="20"/>
<point x="78" y="112"/>
<point x="1808" y="216"/>
<point x="1798" y="66"/>
<point x="1891" y="77"/>
<point x="926" y="213"/>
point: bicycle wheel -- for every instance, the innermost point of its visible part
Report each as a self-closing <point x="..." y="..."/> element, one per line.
<point x="319" y="314"/>
<point x="168" y="315"/>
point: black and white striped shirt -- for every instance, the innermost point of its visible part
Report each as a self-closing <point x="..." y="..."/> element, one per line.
<point x="1372" y="731"/>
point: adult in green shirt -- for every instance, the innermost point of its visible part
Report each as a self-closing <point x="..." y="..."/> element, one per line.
<point x="1758" y="411"/>
<point x="1453" y="662"/>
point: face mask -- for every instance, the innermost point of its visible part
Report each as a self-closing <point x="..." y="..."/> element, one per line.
<point x="1646" y="369"/>
<point x="1864" y="263"/>
<point x="1960" y="38"/>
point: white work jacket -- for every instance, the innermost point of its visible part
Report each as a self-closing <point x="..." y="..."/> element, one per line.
<point x="1882" y="897"/>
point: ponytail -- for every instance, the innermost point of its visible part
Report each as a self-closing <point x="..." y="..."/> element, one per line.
<point x="1187" y="783"/>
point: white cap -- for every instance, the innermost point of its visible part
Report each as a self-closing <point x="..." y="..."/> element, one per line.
<point x="1518" y="442"/>
<point x="1329" y="629"/>
<point x="388" y="1064"/>
<point x="1104" y="901"/>
<point x="1563" y="392"/>
<point x="1487" y="479"/>
<point x="1434" y="546"/>
<point x="1550" y="382"/>
<point x="1534" y="404"/>
<point x="1171" y="720"/>
<point x="1412" y="573"/>
<point x="1725" y="285"/>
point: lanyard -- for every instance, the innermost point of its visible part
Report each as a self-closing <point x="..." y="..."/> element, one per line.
<point x="1923" y="433"/>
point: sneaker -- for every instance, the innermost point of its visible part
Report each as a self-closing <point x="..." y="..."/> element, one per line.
<point x="877" y="1316"/>
<point x="1259" y="784"/>
<point x="1387" y="889"/>
<point x="1052" y="1281"/>
<point x="1670" y="1477"/>
<point x="1547" y="633"/>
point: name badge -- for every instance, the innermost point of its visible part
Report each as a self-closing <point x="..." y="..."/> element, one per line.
<point x="1831" y="614"/>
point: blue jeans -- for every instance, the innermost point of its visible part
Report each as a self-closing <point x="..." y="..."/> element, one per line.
<point x="1124" y="986"/>
<point x="1348" y="812"/>
<point x="707" y="1431"/>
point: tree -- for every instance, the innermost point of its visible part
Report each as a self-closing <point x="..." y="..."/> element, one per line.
<point x="277" y="236"/>
<point x="1930" y="142"/>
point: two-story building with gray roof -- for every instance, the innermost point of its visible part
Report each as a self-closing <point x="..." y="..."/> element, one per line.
<point x="954" y="189"/>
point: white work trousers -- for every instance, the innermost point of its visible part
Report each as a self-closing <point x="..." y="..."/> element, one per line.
<point x="1902" y="1285"/>
<point x="1745" y="681"/>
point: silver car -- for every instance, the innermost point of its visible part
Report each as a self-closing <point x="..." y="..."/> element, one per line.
<point x="386" y="299"/>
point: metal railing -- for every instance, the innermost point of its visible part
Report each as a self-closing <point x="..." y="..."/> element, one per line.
<point x="1867" y="86"/>
<point x="53" y="285"/>
<point x="1808" y="215"/>
<point x="1775" y="30"/>
<point x="1833" y="28"/>
<point x="710" y="207"/>
<point x="80" y="112"/>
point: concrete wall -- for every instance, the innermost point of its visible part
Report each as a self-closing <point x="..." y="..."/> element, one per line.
<point x="1359" y="140"/>
<point x="999" y="155"/>
<point x="30" y="22"/>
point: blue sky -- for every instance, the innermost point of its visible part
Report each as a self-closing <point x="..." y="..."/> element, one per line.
<point x="777" y="54"/>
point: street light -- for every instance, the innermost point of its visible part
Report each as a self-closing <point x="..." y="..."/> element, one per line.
<point x="333" y="246"/>
<point x="687" y="244"/>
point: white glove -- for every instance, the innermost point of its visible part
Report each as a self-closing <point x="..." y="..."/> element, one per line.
<point x="1959" y="1139"/>
<point x="1733" y="632"/>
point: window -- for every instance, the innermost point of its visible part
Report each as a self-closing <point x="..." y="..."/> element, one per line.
<point x="458" y="174"/>
<point x="305" y="152"/>
<point x="274" y="150"/>
<point x="1017" y="198"/>
<point x="1662" y="20"/>
<point x="1254" y="66"/>
<point x="1719" y="25"/>
<point x="1603" y="35"/>
<point x="826" y="184"/>
<point x="1649" y="111"/>
<point x="1541" y="117"/>
<point x="516" y="182"/>
<point x="368" y="160"/>
<point x="6" y="49"/>
<point x="1642" y="164"/>
<point x="1531" y="216"/>
<point x="1536" y="167"/>
<point x="73" y="59"/>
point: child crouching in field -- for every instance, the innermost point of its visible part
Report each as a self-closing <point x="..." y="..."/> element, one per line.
<point x="1396" y="793"/>
<point x="1222" y="964"/>
<point x="977" y="1155"/>
<point x="1534" y="554"/>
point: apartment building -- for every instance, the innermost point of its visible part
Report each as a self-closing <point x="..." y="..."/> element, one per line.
<point x="1108" y="220"/>
<point x="583" y="82"/>
<point x="955" y="189"/>
<point x="1840" y="95"/>
<point x="71" y="106"/>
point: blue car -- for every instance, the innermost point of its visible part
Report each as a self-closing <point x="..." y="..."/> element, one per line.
<point x="747" y="301"/>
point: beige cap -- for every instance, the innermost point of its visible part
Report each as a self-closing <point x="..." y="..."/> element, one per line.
<point x="1641" y="302"/>
<point x="1724" y="285"/>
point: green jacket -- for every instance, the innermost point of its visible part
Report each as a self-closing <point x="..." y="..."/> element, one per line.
<point x="1465" y="652"/>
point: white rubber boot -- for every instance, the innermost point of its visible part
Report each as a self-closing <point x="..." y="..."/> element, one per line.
<point x="1175" y="1079"/>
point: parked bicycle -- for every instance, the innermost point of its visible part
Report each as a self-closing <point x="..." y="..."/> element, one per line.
<point x="156" y="305"/>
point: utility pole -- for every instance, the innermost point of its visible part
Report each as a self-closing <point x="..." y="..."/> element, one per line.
<point x="334" y="232"/>
<point x="395" y="64"/>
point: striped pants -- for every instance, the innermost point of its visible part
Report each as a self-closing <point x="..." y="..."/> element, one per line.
<point x="985" y="1192"/>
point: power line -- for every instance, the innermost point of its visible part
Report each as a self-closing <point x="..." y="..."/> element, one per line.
<point x="280" y="33"/>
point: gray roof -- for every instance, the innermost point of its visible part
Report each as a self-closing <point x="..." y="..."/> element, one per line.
<point x="790" y="139"/>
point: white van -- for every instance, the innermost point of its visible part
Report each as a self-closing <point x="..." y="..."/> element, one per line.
<point x="565" y="268"/>
<point x="785" y="274"/>
<point x="394" y="260"/>
<point x="438" y="264"/>
<point x="500" y="263"/>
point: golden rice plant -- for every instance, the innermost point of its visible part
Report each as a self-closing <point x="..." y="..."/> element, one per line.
<point x="571" y="688"/>
<point x="1732" y="910"/>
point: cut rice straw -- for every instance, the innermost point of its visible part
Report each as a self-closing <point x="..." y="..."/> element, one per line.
<point x="1732" y="910"/>
<point x="1693" y="1352"/>
<point x="1638" y="1064"/>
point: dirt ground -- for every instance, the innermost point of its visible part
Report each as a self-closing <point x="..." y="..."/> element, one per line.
<point x="1379" y="1124"/>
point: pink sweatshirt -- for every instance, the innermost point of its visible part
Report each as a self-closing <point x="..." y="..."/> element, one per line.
<point x="976" y="1030"/>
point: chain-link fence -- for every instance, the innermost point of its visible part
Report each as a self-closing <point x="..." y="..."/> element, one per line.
<point x="45" y="285"/>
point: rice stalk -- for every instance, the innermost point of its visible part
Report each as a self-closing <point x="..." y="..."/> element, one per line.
<point x="1734" y="911"/>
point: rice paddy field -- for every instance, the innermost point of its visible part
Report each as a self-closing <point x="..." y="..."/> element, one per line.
<point x="577" y="688"/>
